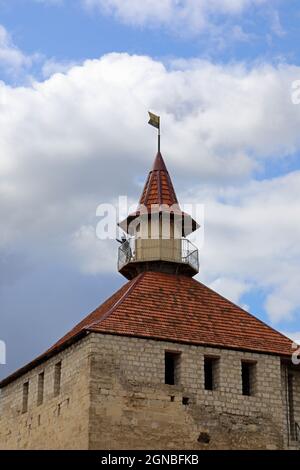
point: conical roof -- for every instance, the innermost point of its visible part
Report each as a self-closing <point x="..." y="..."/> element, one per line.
<point x="158" y="188"/>
<point x="159" y="195"/>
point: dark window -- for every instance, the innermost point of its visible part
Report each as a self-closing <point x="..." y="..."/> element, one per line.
<point x="204" y="437"/>
<point x="40" y="397"/>
<point x="210" y="373"/>
<point x="248" y="378"/>
<point x="185" y="400"/>
<point x="57" y="378"/>
<point x="172" y="363"/>
<point x="25" y="397"/>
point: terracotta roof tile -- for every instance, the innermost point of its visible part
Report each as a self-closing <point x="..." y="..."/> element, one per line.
<point x="179" y="308"/>
<point x="158" y="188"/>
<point x="175" y="308"/>
<point x="159" y="191"/>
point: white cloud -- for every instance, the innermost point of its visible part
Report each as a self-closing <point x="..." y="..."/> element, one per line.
<point x="52" y="66"/>
<point x="276" y="25"/>
<point x="193" y="15"/>
<point x="15" y="64"/>
<point x="232" y="289"/>
<point x="253" y="236"/>
<point x="295" y="336"/>
<point x="81" y="138"/>
<point x="10" y="55"/>
<point x="94" y="255"/>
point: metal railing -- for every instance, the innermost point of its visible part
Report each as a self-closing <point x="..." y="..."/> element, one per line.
<point x="188" y="253"/>
<point x="127" y="252"/>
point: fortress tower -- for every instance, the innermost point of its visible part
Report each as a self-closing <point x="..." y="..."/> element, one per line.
<point x="164" y="363"/>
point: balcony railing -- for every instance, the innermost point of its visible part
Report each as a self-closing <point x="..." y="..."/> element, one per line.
<point x="189" y="254"/>
<point x="186" y="253"/>
<point x="127" y="252"/>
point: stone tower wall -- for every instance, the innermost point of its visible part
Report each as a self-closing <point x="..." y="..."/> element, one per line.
<point x="113" y="396"/>
<point x="61" y="421"/>
<point x="130" y="400"/>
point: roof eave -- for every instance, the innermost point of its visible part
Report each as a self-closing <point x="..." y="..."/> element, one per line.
<point x="42" y="358"/>
<point x="48" y="354"/>
<point x="195" y="343"/>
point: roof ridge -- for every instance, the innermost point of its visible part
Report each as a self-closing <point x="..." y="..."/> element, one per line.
<point x="146" y="189"/>
<point x="159" y="183"/>
<point x="159" y="163"/>
<point x="132" y="285"/>
<point x="243" y="310"/>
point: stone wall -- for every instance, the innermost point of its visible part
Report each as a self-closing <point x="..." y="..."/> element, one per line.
<point x="130" y="401"/>
<point x="113" y="396"/>
<point x="297" y="401"/>
<point x="291" y="435"/>
<point x="61" y="421"/>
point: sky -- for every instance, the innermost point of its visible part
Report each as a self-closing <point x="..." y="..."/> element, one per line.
<point x="77" y="78"/>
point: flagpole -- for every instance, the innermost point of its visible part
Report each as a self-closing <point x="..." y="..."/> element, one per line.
<point x="155" y="122"/>
<point x="159" y="139"/>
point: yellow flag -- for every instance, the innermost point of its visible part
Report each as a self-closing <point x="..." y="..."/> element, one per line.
<point x="154" y="120"/>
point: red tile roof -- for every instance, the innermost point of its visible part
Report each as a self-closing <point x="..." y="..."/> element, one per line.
<point x="158" y="188"/>
<point x="179" y="309"/>
<point x="159" y="191"/>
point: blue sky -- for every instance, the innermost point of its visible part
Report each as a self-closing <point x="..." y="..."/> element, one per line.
<point x="67" y="31"/>
<point x="74" y="134"/>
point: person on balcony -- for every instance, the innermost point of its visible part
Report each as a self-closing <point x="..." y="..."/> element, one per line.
<point x="125" y="244"/>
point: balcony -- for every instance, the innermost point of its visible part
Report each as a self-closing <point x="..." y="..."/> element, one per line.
<point x="189" y="254"/>
<point x="181" y="252"/>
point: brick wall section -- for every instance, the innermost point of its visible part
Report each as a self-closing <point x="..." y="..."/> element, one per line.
<point x="60" y="421"/>
<point x="113" y="396"/>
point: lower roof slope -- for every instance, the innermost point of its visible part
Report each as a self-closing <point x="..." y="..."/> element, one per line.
<point x="174" y="308"/>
